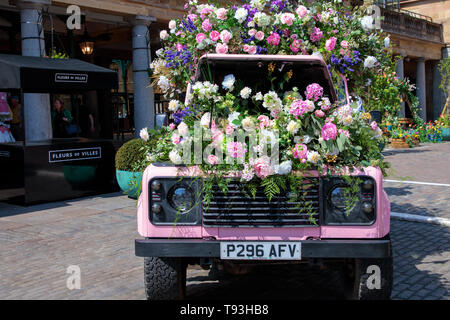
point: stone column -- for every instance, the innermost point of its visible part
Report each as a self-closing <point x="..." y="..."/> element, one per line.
<point x="421" y="88"/>
<point x="144" y="100"/>
<point x="400" y="74"/>
<point x="37" y="117"/>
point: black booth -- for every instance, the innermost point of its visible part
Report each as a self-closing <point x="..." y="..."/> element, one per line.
<point x="57" y="169"/>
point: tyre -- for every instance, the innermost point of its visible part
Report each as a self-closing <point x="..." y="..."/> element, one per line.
<point x="368" y="279"/>
<point x="165" y="278"/>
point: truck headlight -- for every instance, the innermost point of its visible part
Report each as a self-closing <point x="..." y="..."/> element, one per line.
<point x="181" y="198"/>
<point x="342" y="207"/>
<point x="174" y="202"/>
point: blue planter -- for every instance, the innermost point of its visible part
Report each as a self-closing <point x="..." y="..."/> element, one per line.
<point x="129" y="182"/>
<point x="446" y="134"/>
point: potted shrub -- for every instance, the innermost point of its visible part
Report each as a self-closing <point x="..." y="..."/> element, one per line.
<point x="128" y="161"/>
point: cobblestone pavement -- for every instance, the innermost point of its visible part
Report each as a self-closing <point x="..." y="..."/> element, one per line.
<point x="427" y="163"/>
<point x="39" y="243"/>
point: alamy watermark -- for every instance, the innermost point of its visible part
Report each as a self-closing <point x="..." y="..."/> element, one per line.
<point x="74" y="19"/>
<point x="74" y="280"/>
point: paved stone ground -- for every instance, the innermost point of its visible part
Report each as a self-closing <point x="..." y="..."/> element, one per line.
<point x="427" y="163"/>
<point x="39" y="243"/>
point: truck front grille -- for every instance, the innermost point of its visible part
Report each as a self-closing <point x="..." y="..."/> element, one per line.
<point x="238" y="209"/>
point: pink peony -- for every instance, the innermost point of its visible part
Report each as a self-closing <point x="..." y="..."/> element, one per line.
<point x="214" y="35"/>
<point x="330" y="43"/>
<point x="206" y="25"/>
<point x="301" y="11"/>
<point x="314" y="91"/>
<point x="221" y="48"/>
<point x="200" y="37"/>
<point x="212" y="159"/>
<point x="319" y="113"/>
<point x="287" y="19"/>
<point x="259" y="35"/>
<point x="264" y="121"/>
<point x="226" y="36"/>
<point x="274" y="39"/>
<point x="236" y="149"/>
<point x="300" y="151"/>
<point x="329" y="131"/>
<point x="316" y="35"/>
<point x="221" y="14"/>
<point x="262" y="167"/>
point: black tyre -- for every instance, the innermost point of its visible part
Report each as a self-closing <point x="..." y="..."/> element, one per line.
<point x="165" y="278"/>
<point x="368" y="279"/>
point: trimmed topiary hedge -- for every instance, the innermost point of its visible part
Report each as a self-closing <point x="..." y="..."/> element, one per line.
<point x="130" y="155"/>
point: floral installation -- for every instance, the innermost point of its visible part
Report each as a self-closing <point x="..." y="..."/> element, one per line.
<point x="303" y="127"/>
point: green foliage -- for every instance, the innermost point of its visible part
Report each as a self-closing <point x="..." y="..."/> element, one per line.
<point x="131" y="154"/>
<point x="444" y="69"/>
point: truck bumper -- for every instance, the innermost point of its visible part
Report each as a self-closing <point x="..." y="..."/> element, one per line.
<point x="198" y="248"/>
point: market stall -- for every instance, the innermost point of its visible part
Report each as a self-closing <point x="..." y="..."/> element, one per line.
<point x="64" y="168"/>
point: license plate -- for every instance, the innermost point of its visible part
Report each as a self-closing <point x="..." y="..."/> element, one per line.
<point x="260" y="250"/>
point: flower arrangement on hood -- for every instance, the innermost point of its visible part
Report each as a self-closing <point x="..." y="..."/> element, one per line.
<point x="343" y="36"/>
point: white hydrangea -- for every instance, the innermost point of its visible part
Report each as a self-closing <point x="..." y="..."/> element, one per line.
<point x="205" y="90"/>
<point x="241" y="14"/>
<point x="272" y="101"/>
<point x="261" y="19"/>
<point x="174" y="105"/>
<point x="246" y="92"/>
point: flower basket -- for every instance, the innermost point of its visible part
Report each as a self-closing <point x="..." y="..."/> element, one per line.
<point x="405" y="121"/>
<point x="399" y="144"/>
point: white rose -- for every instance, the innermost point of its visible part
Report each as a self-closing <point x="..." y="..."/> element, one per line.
<point x="172" y="24"/>
<point x="144" y="134"/>
<point x="248" y="124"/>
<point x="259" y="96"/>
<point x="292" y="127"/>
<point x="164" y="35"/>
<point x="246" y="92"/>
<point x="370" y="62"/>
<point x="228" y="82"/>
<point x="183" y="129"/>
<point x="174" y="157"/>
<point x="313" y="156"/>
<point x="284" y="168"/>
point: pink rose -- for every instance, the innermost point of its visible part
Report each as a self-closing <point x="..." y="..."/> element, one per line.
<point x="319" y="113"/>
<point x="259" y="35"/>
<point x="212" y="159"/>
<point x="221" y="48"/>
<point x="287" y="18"/>
<point x="200" y="37"/>
<point x="296" y="46"/>
<point x="264" y="121"/>
<point x="274" y="39"/>
<point x="226" y="36"/>
<point x="374" y="125"/>
<point x="172" y="126"/>
<point x="301" y="11"/>
<point x="330" y="43"/>
<point x="300" y="151"/>
<point x="262" y="167"/>
<point x="345" y="132"/>
<point x="344" y="44"/>
<point x="252" y="32"/>
<point x="206" y="25"/>
<point x="221" y="14"/>
<point x="329" y="131"/>
<point x="206" y="11"/>
<point x="214" y="35"/>
<point x="250" y="49"/>
<point x="176" y="139"/>
<point x="229" y="129"/>
<point x="316" y="35"/>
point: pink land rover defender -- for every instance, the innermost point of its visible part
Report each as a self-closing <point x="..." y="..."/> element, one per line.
<point x="237" y="230"/>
